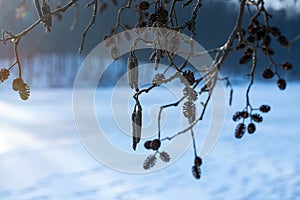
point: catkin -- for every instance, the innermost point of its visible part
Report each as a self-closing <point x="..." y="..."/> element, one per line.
<point x="133" y="71"/>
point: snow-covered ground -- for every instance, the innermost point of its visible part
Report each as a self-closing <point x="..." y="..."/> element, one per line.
<point x="41" y="156"/>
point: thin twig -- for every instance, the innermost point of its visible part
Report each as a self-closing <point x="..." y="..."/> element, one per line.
<point x="193" y="123"/>
<point x="194" y="142"/>
<point x="17" y="57"/>
<point x="166" y="106"/>
<point x="92" y="22"/>
<point x="38" y="8"/>
<point x="251" y="74"/>
<point x="219" y="59"/>
<point x="121" y="9"/>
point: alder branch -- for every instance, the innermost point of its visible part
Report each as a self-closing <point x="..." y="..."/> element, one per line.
<point x="27" y="30"/>
<point x="193" y="123"/>
<point x="219" y="59"/>
<point x="38" y="8"/>
<point x="251" y="74"/>
<point x="92" y="22"/>
<point x="121" y="9"/>
<point x="16" y="43"/>
<point x="226" y="48"/>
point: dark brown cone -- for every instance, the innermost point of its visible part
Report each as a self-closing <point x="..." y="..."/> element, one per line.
<point x="240" y="130"/>
<point x="264" y="108"/>
<point x="268" y="73"/>
<point x="251" y="128"/>
<point x="196" y="172"/>
<point x="4" y="74"/>
<point x="281" y="83"/>
<point x="257" y="118"/>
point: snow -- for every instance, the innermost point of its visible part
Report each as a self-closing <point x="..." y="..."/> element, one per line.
<point x="41" y="156"/>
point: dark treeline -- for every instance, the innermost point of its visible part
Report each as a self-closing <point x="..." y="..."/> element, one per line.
<point x="216" y="21"/>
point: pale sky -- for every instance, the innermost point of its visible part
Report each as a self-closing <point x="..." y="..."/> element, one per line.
<point x="291" y="6"/>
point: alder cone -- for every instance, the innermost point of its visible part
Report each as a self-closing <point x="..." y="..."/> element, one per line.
<point x="164" y="156"/>
<point x="237" y="116"/>
<point x="149" y="162"/>
<point x="264" y="108"/>
<point x="244" y="114"/>
<point x="158" y="79"/>
<point x="240" y="46"/>
<point x="275" y="31"/>
<point x="251" y="128"/>
<point x="4" y="74"/>
<point x="142" y="6"/>
<point x="281" y="83"/>
<point x="268" y="73"/>
<point x="198" y="161"/>
<point x="17" y="84"/>
<point x="245" y="59"/>
<point x="240" y="130"/>
<point x="162" y="15"/>
<point x="24" y="92"/>
<point x="148" y="144"/>
<point x="189" y="110"/>
<point x="127" y="36"/>
<point x="115" y="53"/>
<point x="196" y="172"/>
<point x="287" y="66"/>
<point x="257" y="118"/>
<point x="156" y="144"/>
<point x="283" y="41"/>
<point x="189" y="76"/>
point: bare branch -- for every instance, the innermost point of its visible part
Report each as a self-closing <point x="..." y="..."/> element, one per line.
<point x="121" y="9"/>
<point x="92" y="22"/>
<point x="219" y="59"/>
<point x="38" y="8"/>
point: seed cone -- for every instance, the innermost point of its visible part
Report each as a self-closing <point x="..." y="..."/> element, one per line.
<point x="17" y="84"/>
<point x="164" y="156"/>
<point x="149" y="162"/>
<point x="196" y="172"/>
<point x="4" y="74"/>
<point x="240" y="130"/>
<point x="251" y="128"/>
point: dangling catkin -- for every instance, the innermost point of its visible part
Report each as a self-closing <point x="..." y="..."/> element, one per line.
<point x="133" y="71"/>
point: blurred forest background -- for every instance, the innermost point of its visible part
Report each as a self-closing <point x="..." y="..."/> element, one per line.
<point x="51" y="59"/>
